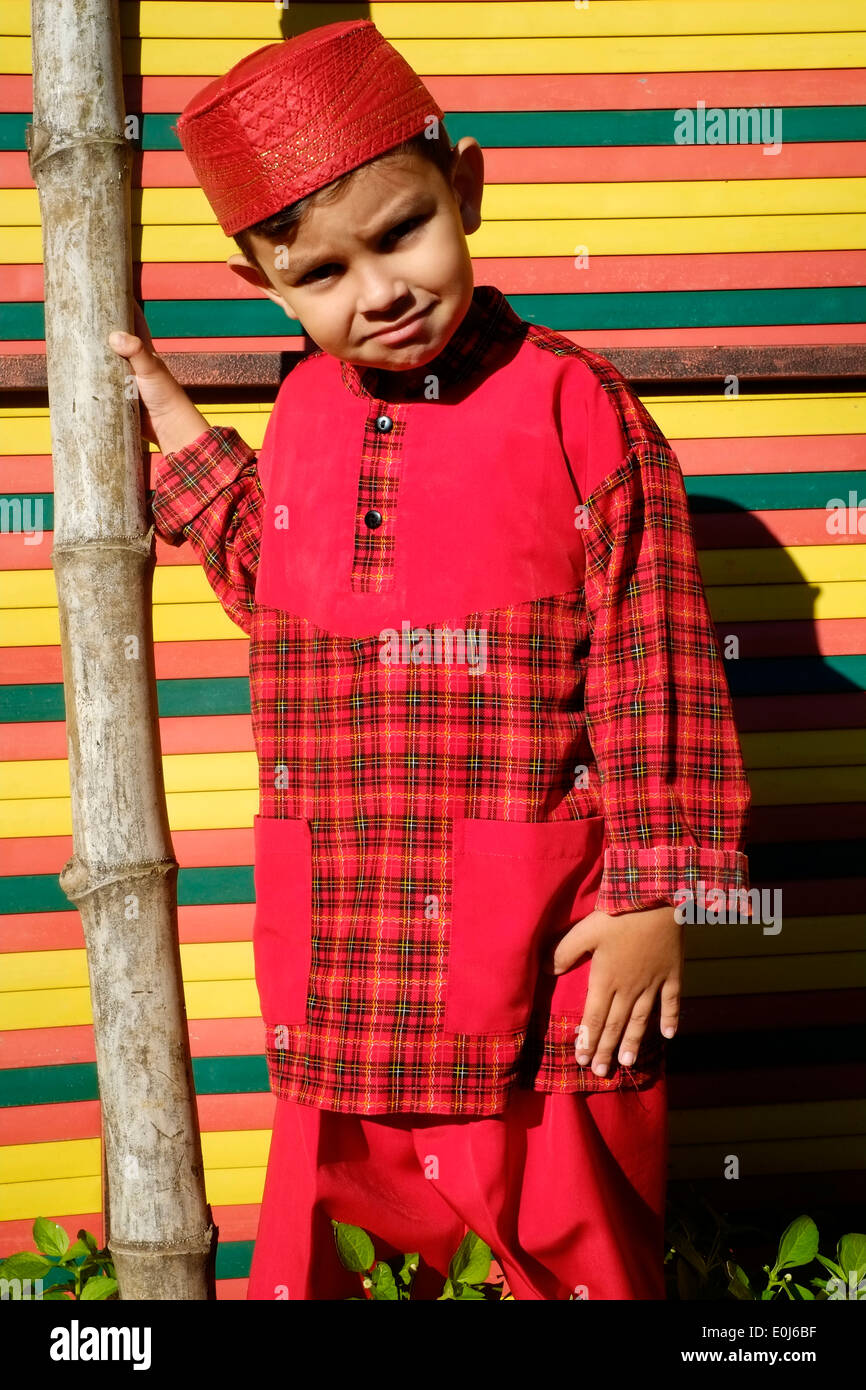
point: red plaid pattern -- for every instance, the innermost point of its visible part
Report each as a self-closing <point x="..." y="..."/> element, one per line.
<point x="380" y="782"/>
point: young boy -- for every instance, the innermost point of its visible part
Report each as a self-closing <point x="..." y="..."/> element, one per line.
<point x="494" y="735"/>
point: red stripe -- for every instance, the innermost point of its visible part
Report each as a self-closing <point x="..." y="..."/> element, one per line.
<point x="805" y="453"/>
<point x="557" y="164"/>
<point x="518" y="275"/>
<point x="543" y="91"/>
<point x="45" y="1047"/>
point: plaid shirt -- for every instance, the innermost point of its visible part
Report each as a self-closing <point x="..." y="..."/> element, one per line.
<point x="487" y="698"/>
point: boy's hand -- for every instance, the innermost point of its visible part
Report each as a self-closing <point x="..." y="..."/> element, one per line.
<point x="168" y="417"/>
<point x="633" y="955"/>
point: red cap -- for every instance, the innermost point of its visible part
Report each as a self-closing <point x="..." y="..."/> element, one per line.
<point x="295" y="115"/>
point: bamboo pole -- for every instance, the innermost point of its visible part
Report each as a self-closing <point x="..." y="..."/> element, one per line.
<point x="122" y="875"/>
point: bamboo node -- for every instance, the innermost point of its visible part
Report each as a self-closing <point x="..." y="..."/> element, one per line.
<point x="79" y="879"/>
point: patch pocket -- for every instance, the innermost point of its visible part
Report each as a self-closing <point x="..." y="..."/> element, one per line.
<point x="517" y="886"/>
<point x="282" y="925"/>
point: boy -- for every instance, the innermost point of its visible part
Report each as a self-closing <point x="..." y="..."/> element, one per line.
<point x="494" y="736"/>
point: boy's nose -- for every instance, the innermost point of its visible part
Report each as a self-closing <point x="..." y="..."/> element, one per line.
<point x="379" y="293"/>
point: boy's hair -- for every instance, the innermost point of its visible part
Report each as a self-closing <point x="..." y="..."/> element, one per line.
<point x="285" y="223"/>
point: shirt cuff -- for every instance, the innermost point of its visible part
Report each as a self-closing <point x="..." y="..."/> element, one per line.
<point x="187" y="481"/>
<point x="680" y="875"/>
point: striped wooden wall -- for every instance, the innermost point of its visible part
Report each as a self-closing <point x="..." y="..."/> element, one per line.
<point x="705" y="262"/>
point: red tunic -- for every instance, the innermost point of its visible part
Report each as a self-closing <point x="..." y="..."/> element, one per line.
<point x="487" y="697"/>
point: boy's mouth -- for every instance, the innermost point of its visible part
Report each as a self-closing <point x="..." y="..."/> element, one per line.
<point x="403" y="330"/>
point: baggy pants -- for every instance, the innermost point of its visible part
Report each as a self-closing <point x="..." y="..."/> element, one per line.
<point x="568" y="1190"/>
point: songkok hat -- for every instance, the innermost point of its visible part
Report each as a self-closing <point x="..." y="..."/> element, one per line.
<point x="295" y="115"/>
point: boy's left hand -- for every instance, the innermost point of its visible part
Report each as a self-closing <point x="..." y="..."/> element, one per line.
<point x="633" y="955"/>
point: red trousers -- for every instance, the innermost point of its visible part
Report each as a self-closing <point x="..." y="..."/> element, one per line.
<point x="567" y="1190"/>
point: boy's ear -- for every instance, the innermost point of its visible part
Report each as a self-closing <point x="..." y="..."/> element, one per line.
<point x="467" y="181"/>
<point x="255" y="276"/>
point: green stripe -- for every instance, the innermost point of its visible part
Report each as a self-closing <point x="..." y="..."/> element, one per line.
<point x="716" y="493"/>
<point x="233" y="1259"/>
<point x="218" y="695"/>
<point x="231" y="883"/>
<point x="239" y="318"/>
<point x="532" y="129"/>
<point x="212" y="1076"/>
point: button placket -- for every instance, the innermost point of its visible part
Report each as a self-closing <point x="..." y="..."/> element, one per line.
<point x="378" y="487"/>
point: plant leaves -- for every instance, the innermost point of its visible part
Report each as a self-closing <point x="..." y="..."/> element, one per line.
<point x="799" y="1243"/>
<point x="852" y="1254"/>
<point x="739" y="1286"/>
<point x="805" y="1293"/>
<point x="384" y="1284"/>
<point x="354" y="1247"/>
<point x="471" y="1261"/>
<point x="407" y="1272"/>
<point x="50" y="1238"/>
<point x="98" y="1287"/>
<point x="25" y="1265"/>
<point x="89" y="1240"/>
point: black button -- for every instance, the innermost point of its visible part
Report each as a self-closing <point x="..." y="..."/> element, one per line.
<point x="373" y="519"/>
<point x="384" y="423"/>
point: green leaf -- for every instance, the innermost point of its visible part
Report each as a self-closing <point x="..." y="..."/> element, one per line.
<point x="50" y="1238"/>
<point x="384" y="1284"/>
<point x="53" y="1295"/>
<point x="447" y="1291"/>
<point x="852" y="1254"/>
<point x="799" y="1243"/>
<point x="99" y="1287"/>
<point x="354" y="1247"/>
<point x="25" y="1265"/>
<point x="467" y="1292"/>
<point x="739" y="1286"/>
<point x="89" y="1240"/>
<point x="409" y="1268"/>
<point x="471" y="1261"/>
<point x="829" y="1264"/>
<point x="78" y="1251"/>
<point x="805" y="1293"/>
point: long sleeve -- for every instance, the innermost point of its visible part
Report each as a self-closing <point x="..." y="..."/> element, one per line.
<point x="210" y="494"/>
<point x="658" y="710"/>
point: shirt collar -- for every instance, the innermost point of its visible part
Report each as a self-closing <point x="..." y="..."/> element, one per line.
<point x="488" y="326"/>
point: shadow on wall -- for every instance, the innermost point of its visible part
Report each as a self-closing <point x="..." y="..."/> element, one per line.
<point x="800" y="840"/>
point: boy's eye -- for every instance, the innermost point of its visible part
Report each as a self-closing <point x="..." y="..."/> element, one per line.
<point x="405" y="227"/>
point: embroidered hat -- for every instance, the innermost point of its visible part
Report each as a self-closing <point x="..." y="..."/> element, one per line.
<point x="295" y="115"/>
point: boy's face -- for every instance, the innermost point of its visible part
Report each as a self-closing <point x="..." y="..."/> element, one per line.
<point x="390" y="247"/>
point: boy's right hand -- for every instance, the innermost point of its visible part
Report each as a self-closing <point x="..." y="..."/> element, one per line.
<point x="168" y="417"/>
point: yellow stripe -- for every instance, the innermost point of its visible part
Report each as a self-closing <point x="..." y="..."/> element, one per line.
<point x="772" y="974"/>
<point x="800" y="935"/>
<point x="550" y="18"/>
<point x="571" y="52"/>
<point x="37" y="971"/>
<point x="62" y="1197"/>
<point x="797" y="786"/>
<point x="752" y="1123"/>
<point x="786" y="1156"/>
<point x="26" y="430"/>
<point x="805" y="748"/>
<point x="749" y="603"/>
<point x="175" y="584"/>
<point x="66" y="1008"/>
<point x="200" y="961"/>
<point x="513" y="202"/>
<point x="200" y="622"/>
<point x="183" y="772"/>
<point x="186" y="810"/>
<point x="178" y="622"/>
<point x="30" y="433"/>
<point x="773" y="565"/>
<point x="615" y="237"/>
<point x="48" y="778"/>
<point x="768" y="974"/>
<point x="63" y="1158"/>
